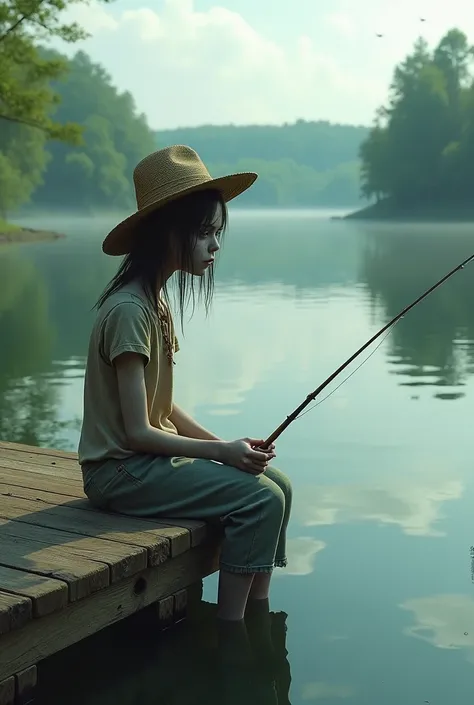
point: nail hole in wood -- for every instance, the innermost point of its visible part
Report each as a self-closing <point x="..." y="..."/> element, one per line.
<point x="140" y="586"/>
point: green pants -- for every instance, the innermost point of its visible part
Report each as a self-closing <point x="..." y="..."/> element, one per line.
<point x="253" y="510"/>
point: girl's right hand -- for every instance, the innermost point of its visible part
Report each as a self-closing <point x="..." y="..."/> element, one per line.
<point x="241" y="454"/>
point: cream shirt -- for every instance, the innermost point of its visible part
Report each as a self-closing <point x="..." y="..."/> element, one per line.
<point x="125" y="322"/>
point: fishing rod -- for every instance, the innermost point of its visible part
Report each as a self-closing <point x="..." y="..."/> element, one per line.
<point x="311" y="397"/>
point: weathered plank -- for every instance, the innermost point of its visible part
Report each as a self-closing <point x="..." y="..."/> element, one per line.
<point x="123" y="560"/>
<point x="43" y="637"/>
<point x="66" y="516"/>
<point x="52" y="491"/>
<point x="30" y="479"/>
<point x="15" y="611"/>
<point x="47" y="595"/>
<point x="7" y="691"/>
<point x="82" y="576"/>
<point x="25" y="685"/>
<point x="40" y="463"/>
<point x="165" y="610"/>
<point x="64" y="465"/>
<point x="180" y="603"/>
<point x="17" y="473"/>
<point x="50" y="452"/>
<point x="76" y="568"/>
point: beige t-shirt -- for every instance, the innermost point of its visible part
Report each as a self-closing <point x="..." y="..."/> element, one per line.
<point x="125" y="322"/>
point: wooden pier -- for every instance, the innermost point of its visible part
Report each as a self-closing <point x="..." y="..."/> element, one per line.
<point x="68" y="570"/>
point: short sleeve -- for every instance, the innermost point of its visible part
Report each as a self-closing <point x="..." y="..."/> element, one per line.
<point x="126" y="328"/>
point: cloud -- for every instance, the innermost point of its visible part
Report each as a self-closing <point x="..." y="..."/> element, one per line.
<point x="319" y="690"/>
<point x="301" y="552"/>
<point x="444" y="621"/>
<point x="189" y="67"/>
<point x="343" y="23"/>
<point x="411" y="501"/>
<point x="186" y="66"/>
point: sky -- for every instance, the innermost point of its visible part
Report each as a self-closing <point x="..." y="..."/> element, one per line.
<point x="194" y="62"/>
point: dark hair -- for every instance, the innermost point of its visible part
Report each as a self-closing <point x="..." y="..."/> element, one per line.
<point x="179" y="221"/>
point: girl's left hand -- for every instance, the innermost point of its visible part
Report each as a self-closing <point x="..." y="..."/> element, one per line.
<point x="259" y="446"/>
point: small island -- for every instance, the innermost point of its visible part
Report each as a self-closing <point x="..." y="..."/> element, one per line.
<point x="416" y="162"/>
<point x="12" y="234"/>
<point x="386" y="210"/>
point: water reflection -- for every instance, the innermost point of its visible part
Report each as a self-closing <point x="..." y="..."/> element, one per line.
<point x="266" y="312"/>
<point x="249" y="345"/>
<point x="434" y="344"/>
<point x="320" y="691"/>
<point x="414" y="504"/>
<point x="192" y="664"/>
<point x="444" y="621"/>
<point x="302" y="552"/>
<point x="28" y="403"/>
<point x="379" y="512"/>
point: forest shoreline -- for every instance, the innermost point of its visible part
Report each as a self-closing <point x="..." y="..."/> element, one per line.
<point x="388" y="212"/>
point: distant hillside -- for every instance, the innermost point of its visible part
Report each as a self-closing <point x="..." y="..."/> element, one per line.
<point x="303" y="164"/>
<point x="320" y="145"/>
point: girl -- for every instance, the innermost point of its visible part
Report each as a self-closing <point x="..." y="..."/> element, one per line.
<point x="140" y="453"/>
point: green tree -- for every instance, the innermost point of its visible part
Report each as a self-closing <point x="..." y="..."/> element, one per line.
<point x="26" y="95"/>
<point x="415" y="153"/>
<point x="320" y="145"/>
<point x="453" y="57"/>
<point x="23" y="160"/>
<point x="27" y="98"/>
<point x="285" y="183"/>
<point x="98" y="174"/>
<point x="115" y="137"/>
<point x="374" y="154"/>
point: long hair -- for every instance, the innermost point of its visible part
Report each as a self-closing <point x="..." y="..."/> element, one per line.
<point x="171" y="230"/>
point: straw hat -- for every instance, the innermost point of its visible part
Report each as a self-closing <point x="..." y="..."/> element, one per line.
<point x="163" y="177"/>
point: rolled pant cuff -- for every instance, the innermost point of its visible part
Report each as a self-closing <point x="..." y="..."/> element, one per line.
<point x="246" y="569"/>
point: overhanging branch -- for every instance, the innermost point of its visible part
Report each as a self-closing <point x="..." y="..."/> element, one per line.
<point x="22" y="121"/>
<point x="18" y="22"/>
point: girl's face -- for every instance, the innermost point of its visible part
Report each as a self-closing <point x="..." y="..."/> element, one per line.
<point x="207" y="243"/>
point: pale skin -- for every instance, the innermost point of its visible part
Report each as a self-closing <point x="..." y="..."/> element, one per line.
<point x="193" y="440"/>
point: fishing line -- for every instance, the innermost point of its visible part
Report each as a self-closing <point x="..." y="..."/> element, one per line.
<point x="311" y="397"/>
<point x="352" y="373"/>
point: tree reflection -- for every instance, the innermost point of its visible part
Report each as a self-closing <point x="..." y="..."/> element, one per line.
<point x="28" y="401"/>
<point x="434" y="344"/>
<point x="132" y="662"/>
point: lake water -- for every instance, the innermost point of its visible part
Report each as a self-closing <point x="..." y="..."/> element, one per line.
<point x="378" y="598"/>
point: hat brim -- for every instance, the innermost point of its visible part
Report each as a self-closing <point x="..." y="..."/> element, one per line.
<point x="119" y="240"/>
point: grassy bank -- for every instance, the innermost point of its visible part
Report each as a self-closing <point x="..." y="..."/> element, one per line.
<point x="11" y="233"/>
<point x="388" y="211"/>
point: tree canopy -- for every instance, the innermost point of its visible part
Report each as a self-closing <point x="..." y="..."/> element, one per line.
<point x="301" y="164"/>
<point x="98" y="172"/>
<point x="27" y="97"/>
<point x="70" y="139"/>
<point x="321" y="145"/>
<point x="419" y="150"/>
